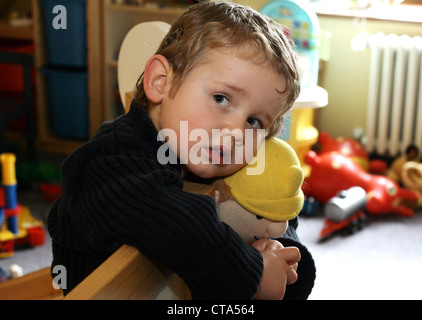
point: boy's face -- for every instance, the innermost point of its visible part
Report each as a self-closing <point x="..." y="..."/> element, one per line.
<point x="221" y="104"/>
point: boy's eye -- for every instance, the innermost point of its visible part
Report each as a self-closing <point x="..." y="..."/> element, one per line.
<point x="255" y="123"/>
<point x="221" y="100"/>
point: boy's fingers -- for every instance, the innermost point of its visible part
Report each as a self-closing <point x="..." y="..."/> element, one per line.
<point x="290" y="254"/>
<point x="267" y="244"/>
<point x="259" y="244"/>
<point x="291" y="276"/>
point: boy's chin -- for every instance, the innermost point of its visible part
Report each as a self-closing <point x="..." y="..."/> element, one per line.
<point x="204" y="171"/>
<point x="207" y="171"/>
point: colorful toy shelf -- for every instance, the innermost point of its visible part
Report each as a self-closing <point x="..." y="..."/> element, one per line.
<point x="302" y="26"/>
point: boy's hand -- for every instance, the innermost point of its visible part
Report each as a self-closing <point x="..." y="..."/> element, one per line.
<point x="280" y="265"/>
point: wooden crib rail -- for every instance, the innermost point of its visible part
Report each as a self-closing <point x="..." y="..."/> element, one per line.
<point x="127" y="275"/>
<point x="36" y="285"/>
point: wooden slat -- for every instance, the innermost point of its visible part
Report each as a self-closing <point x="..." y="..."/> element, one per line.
<point x="128" y="274"/>
<point x="37" y="285"/>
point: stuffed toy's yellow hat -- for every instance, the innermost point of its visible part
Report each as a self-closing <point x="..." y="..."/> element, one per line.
<point x="276" y="193"/>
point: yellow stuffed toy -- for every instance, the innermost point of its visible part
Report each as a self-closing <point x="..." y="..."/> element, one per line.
<point x="259" y="206"/>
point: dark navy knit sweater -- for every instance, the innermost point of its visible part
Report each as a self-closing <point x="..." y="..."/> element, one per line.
<point x="116" y="192"/>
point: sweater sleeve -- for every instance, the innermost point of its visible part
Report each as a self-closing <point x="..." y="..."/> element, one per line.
<point x="129" y="199"/>
<point x="302" y="288"/>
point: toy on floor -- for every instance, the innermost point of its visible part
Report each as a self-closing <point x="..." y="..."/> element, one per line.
<point x="395" y="170"/>
<point x="18" y="228"/>
<point x="259" y="206"/>
<point x="50" y="191"/>
<point x="35" y="172"/>
<point x="345" y="211"/>
<point x="310" y="206"/>
<point x="411" y="177"/>
<point x="333" y="172"/>
<point x="13" y="271"/>
<point x="352" y="149"/>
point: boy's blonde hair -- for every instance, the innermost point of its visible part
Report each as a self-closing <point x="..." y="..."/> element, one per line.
<point x="214" y="25"/>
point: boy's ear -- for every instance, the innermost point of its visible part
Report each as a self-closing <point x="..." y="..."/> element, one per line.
<point x="156" y="77"/>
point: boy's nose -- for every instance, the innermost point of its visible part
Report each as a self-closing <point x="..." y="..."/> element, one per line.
<point x="236" y="129"/>
<point x="234" y="135"/>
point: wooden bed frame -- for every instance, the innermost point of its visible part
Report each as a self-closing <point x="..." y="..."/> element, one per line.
<point x="127" y="274"/>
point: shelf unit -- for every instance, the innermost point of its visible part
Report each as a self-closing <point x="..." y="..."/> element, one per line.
<point x="118" y="20"/>
<point x="107" y="25"/>
<point x="46" y="140"/>
<point x="10" y="32"/>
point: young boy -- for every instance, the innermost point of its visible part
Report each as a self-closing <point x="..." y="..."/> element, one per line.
<point x="221" y="68"/>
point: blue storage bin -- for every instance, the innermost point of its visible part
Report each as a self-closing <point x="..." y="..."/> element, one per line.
<point x="67" y="92"/>
<point x="65" y="47"/>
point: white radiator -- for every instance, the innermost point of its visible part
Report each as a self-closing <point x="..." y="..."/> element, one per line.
<point x="394" y="118"/>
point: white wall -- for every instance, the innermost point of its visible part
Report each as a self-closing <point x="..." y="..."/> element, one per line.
<point x="347" y="73"/>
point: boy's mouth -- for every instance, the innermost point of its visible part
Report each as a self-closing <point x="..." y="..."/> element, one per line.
<point x="218" y="154"/>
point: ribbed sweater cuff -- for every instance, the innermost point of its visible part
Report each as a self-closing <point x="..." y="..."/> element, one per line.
<point x="245" y="271"/>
